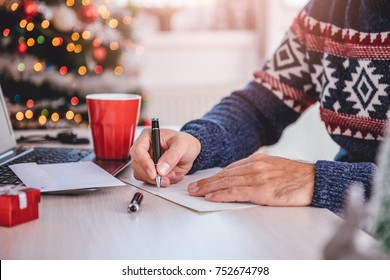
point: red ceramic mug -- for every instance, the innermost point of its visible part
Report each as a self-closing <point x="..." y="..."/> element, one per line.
<point x="113" y="119"/>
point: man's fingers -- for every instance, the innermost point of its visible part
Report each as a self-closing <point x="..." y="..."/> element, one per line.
<point x="174" y="177"/>
<point x="179" y="151"/>
<point x="239" y="194"/>
<point x="202" y="188"/>
<point x="171" y="157"/>
<point x="242" y="174"/>
<point x="147" y="165"/>
<point x="139" y="153"/>
<point x="140" y="173"/>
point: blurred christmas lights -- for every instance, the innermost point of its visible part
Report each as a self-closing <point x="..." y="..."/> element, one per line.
<point x="93" y="38"/>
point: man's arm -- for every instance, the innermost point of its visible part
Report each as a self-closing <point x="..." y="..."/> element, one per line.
<point x="239" y="125"/>
<point x="333" y="180"/>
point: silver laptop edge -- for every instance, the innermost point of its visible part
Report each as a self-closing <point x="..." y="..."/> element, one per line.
<point x="10" y="151"/>
<point x="7" y="137"/>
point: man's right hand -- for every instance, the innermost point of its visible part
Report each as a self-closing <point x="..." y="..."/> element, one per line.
<point x="179" y="151"/>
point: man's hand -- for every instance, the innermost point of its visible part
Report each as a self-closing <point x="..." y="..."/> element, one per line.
<point x="179" y="151"/>
<point x="261" y="179"/>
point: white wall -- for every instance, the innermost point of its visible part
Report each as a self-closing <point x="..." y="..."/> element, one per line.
<point x="185" y="73"/>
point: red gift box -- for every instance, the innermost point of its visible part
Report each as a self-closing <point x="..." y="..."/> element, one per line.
<point x="18" y="205"/>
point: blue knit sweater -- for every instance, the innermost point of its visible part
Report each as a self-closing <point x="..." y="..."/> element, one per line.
<point x="336" y="53"/>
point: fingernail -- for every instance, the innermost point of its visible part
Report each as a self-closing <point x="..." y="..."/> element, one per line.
<point x="171" y="176"/>
<point x="193" y="187"/>
<point x="150" y="173"/>
<point x="209" y="196"/>
<point x="163" y="168"/>
<point x="179" y="178"/>
<point x="165" y="182"/>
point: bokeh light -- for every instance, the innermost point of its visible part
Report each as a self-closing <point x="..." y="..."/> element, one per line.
<point x="78" y="48"/>
<point x="30" y="42"/>
<point x="78" y="118"/>
<point x="75" y="36"/>
<point x="55" y="117"/>
<point x="29" y="114"/>
<point x="70" y="3"/>
<point x="30" y="26"/>
<point x="63" y="70"/>
<point x="113" y="23"/>
<point x="69" y="115"/>
<point x="19" y="116"/>
<point x="98" y="69"/>
<point x="86" y="35"/>
<point x="74" y="101"/>
<point x="57" y="41"/>
<point x="23" y="23"/>
<point x="45" y="112"/>
<point x="118" y="70"/>
<point x="114" y="46"/>
<point x="6" y="32"/>
<point x="30" y="103"/>
<point x="41" y="39"/>
<point x="82" y="70"/>
<point x="21" y="67"/>
<point x="70" y="47"/>
<point x="38" y="66"/>
<point x="42" y="120"/>
<point x="14" y="6"/>
<point x="45" y="24"/>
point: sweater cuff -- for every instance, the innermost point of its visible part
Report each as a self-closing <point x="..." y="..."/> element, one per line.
<point x="211" y="138"/>
<point x="333" y="180"/>
<point x="197" y="132"/>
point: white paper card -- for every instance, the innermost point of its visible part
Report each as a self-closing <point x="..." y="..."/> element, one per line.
<point x="178" y="193"/>
<point x="64" y="176"/>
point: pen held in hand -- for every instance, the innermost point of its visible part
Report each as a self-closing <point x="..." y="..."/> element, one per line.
<point x="135" y="202"/>
<point x="156" y="148"/>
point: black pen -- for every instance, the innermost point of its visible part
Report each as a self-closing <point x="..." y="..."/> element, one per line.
<point x="135" y="202"/>
<point x="156" y="149"/>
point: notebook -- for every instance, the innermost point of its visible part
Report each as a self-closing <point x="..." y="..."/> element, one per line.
<point x="11" y="153"/>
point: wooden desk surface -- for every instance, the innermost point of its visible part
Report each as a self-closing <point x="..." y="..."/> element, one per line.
<point x="96" y="225"/>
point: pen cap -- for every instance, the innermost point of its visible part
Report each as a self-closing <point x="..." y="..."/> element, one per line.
<point x="138" y="198"/>
<point x="135" y="202"/>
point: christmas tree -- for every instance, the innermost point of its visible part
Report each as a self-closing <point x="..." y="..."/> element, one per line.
<point x="53" y="53"/>
<point x="382" y="195"/>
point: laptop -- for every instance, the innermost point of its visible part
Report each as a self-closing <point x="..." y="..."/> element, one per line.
<point x="11" y="153"/>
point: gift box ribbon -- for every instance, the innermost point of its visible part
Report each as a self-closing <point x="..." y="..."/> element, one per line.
<point x="15" y="190"/>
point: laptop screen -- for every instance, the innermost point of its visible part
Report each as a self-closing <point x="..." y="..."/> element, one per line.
<point x="7" y="138"/>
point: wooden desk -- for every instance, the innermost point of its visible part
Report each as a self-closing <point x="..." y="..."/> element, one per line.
<point x="96" y="225"/>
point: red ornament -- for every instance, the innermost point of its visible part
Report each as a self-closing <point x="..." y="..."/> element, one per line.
<point x="63" y="70"/>
<point x="98" y="69"/>
<point x="22" y="48"/>
<point x="30" y="8"/>
<point x="99" y="54"/>
<point x="88" y="14"/>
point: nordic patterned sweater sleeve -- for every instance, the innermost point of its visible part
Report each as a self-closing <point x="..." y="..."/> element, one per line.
<point x="257" y="115"/>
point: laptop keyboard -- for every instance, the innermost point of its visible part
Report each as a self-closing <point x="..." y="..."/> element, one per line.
<point x="42" y="156"/>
